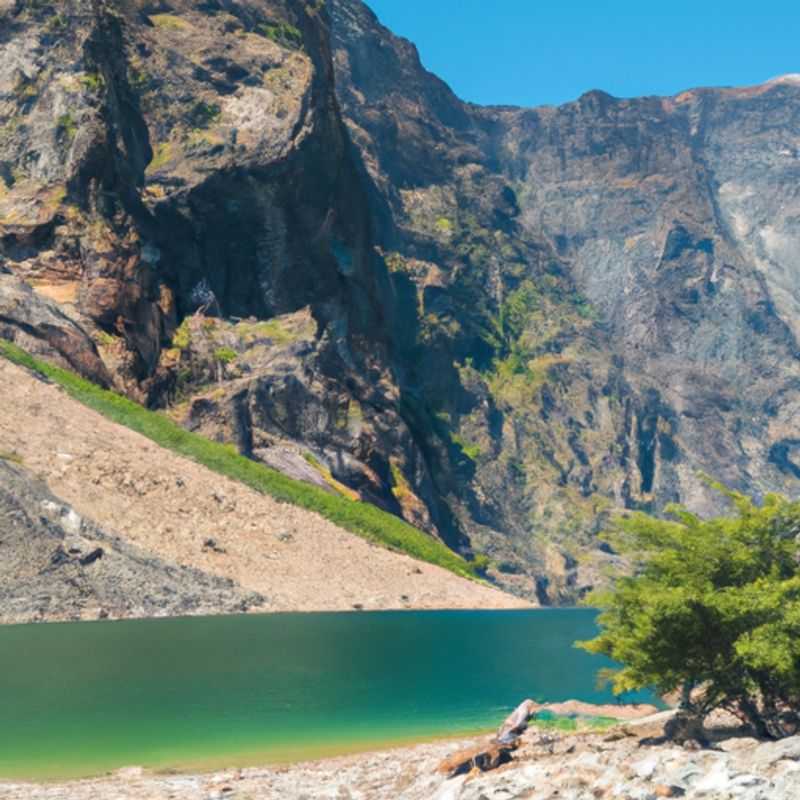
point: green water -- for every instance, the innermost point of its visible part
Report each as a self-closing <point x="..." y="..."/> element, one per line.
<point x="84" y="698"/>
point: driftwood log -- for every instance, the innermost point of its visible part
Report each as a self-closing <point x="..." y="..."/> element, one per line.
<point x="495" y="752"/>
<point x="484" y="757"/>
<point x="517" y="722"/>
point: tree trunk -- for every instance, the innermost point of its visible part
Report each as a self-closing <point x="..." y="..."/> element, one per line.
<point x="755" y="718"/>
<point x="686" y="726"/>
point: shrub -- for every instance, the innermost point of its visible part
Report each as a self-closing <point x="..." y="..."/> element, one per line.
<point x="281" y="33"/>
<point x="225" y="355"/>
<point x="93" y="81"/>
<point x="713" y="611"/>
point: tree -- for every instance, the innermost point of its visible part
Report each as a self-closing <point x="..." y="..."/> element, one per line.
<point x="222" y="357"/>
<point x="712" y="610"/>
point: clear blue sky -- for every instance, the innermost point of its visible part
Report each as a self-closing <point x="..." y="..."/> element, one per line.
<point x="532" y="52"/>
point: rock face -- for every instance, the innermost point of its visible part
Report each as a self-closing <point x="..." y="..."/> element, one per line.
<point x="607" y="295"/>
<point x="162" y="167"/>
<point x="56" y="565"/>
<point x="502" y="324"/>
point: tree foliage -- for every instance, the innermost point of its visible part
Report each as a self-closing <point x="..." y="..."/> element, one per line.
<point x="712" y="610"/>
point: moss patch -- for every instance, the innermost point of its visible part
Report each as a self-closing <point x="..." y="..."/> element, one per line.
<point x="67" y="126"/>
<point x="162" y="155"/>
<point x="327" y="476"/>
<point x="271" y="329"/>
<point x="281" y="33"/>
<point x="169" y="21"/>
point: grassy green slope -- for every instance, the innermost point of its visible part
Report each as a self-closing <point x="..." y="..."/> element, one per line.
<point x="363" y="519"/>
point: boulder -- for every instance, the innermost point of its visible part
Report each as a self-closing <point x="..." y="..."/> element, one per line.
<point x="38" y="325"/>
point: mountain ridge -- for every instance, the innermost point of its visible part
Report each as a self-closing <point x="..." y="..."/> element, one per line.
<point x="504" y="325"/>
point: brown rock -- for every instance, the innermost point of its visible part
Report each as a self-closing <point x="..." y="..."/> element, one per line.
<point x="662" y="790"/>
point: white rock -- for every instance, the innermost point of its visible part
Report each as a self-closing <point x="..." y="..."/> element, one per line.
<point x="130" y="772"/>
<point x="451" y="790"/>
<point x="51" y="508"/>
<point x="770" y="753"/>
<point x="716" y="780"/>
<point x="72" y="522"/>
<point x="738" y="743"/>
<point x="646" y="768"/>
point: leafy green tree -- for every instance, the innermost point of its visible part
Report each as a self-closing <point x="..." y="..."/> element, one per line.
<point x="712" y="610"/>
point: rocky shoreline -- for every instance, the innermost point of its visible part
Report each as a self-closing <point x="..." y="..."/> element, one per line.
<point x="630" y="761"/>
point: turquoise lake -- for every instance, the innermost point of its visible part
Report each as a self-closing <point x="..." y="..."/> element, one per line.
<point x="84" y="698"/>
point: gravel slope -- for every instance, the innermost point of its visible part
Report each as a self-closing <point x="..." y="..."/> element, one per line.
<point x="169" y="508"/>
<point x="56" y="565"/>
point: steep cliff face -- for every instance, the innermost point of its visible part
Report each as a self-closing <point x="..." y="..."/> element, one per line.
<point x="503" y="324"/>
<point x="176" y="180"/>
<point x="605" y="295"/>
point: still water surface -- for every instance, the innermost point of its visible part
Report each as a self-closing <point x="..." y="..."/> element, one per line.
<point x="83" y="698"/>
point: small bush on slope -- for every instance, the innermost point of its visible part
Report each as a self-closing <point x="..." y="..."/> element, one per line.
<point x="713" y="611"/>
<point x="363" y="519"/>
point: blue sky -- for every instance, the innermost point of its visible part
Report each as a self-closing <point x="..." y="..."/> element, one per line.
<point x="529" y="52"/>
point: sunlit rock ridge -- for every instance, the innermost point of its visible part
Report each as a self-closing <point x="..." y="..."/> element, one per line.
<point x="503" y="324"/>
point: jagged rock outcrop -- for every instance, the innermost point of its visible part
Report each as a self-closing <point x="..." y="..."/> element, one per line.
<point x="57" y="565"/>
<point x="502" y="324"/>
<point x="38" y="325"/>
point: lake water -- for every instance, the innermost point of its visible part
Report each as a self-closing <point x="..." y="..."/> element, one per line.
<point x="84" y="698"/>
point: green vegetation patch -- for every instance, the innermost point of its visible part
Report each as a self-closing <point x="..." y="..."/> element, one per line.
<point x="359" y="518"/>
<point x="546" y="720"/>
<point x="272" y="329"/>
<point x="162" y="155"/>
<point x="471" y="450"/>
<point x="68" y="126"/>
<point x="281" y="33"/>
<point x="225" y="355"/>
<point x="444" y="225"/>
<point x="93" y="81"/>
<point x="169" y="21"/>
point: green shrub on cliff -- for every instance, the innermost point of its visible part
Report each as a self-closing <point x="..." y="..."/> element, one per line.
<point x="713" y="611"/>
<point x="282" y="33"/>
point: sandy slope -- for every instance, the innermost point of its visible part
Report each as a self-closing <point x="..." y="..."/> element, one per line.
<point x="170" y="506"/>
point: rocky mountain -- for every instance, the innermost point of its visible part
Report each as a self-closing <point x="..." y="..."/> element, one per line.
<point x="606" y="293"/>
<point x="503" y="324"/>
